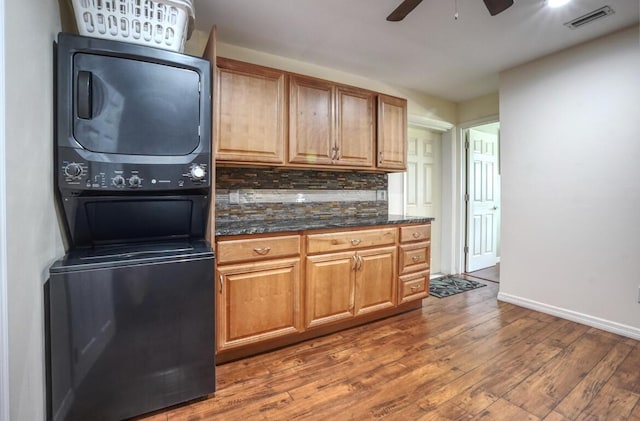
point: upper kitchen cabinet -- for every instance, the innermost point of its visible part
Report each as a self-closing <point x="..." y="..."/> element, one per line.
<point x="392" y="133"/>
<point x="330" y="124"/>
<point x="251" y="113"/>
<point x="270" y="117"/>
<point x="311" y="122"/>
<point x="355" y="126"/>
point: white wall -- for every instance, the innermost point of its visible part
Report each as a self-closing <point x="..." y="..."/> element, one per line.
<point x="33" y="236"/>
<point x="570" y="142"/>
<point x="4" y="323"/>
<point x="478" y="108"/>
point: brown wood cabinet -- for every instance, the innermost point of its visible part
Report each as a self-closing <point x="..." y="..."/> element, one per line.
<point x="355" y="127"/>
<point x="260" y="299"/>
<point x="375" y="280"/>
<point x="343" y="285"/>
<point x="251" y="113"/>
<point x="414" y="262"/>
<point x="330" y="124"/>
<point x="276" y="289"/>
<point x="347" y="284"/>
<point x="311" y="121"/>
<point x="319" y="124"/>
<point x="330" y="288"/>
<point x="350" y="240"/>
<point x="392" y="133"/>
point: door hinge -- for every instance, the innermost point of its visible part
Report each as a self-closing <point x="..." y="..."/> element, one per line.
<point x="466" y="249"/>
<point x="466" y="197"/>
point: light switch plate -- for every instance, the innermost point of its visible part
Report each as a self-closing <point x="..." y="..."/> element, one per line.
<point x="381" y="195"/>
<point x="234" y="197"/>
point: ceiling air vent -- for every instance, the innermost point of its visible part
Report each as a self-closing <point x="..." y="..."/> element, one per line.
<point x="590" y="17"/>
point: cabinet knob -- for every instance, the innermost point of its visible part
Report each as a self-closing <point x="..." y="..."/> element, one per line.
<point x="262" y="250"/>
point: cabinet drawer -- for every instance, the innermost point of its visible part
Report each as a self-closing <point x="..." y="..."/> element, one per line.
<point x="350" y="240"/>
<point x="414" y="286"/>
<point x="257" y="248"/>
<point x="414" y="257"/>
<point x="415" y="233"/>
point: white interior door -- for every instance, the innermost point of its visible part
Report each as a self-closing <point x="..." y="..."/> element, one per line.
<point x="483" y="217"/>
<point x="423" y="183"/>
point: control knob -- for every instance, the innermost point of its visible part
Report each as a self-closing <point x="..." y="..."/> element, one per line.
<point x="197" y="173"/>
<point x="135" y="181"/>
<point x="118" y="181"/>
<point x="73" y="170"/>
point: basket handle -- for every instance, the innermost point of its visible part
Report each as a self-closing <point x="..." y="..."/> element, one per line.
<point x="84" y="94"/>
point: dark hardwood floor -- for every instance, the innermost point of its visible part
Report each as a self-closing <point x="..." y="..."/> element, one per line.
<point x="464" y="357"/>
<point x="488" y="274"/>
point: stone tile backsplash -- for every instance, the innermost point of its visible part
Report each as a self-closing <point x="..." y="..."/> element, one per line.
<point x="252" y="194"/>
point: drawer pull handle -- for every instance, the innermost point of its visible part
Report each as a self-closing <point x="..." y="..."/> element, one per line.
<point x="355" y="242"/>
<point x="415" y="287"/>
<point x="415" y="258"/>
<point x="262" y="250"/>
<point x="416" y="234"/>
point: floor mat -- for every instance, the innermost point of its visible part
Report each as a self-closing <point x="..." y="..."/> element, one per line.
<point x="450" y="285"/>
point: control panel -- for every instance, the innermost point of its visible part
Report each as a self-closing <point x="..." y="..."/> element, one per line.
<point x="76" y="174"/>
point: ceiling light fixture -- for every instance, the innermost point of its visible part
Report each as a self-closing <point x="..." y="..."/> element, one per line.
<point x="557" y="3"/>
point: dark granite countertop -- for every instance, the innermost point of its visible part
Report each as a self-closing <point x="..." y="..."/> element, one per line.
<point x="289" y="225"/>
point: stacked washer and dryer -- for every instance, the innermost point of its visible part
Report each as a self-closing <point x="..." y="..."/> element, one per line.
<point x="130" y="307"/>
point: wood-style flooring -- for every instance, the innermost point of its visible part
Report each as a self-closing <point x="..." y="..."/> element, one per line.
<point x="488" y="274"/>
<point x="464" y="357"/>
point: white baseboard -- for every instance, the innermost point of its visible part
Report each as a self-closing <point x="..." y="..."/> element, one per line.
<point x="585" y="319"/>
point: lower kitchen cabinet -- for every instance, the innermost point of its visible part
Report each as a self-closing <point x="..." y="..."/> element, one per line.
<point x="376" y="280"/>
<point x="277" y="289"/>
<point x="343" y="285"/>
<point x="414" y="262"/>
<point x="257" y="301"/>
<point x="330" y="287"/>
<point x="414" y="286"/>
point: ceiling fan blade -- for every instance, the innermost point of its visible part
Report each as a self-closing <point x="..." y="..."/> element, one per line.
<point x="497" y="6"/>
<point x="403" y="10"/>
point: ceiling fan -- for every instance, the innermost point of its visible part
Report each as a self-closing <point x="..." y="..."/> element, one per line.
<point x="494" y="7"/>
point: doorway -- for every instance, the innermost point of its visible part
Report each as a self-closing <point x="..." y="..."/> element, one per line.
<point x="422" y="183"/>
<point x="482" y="197"/>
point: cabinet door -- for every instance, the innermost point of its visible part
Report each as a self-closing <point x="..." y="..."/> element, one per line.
<point x="392" y="133"/>
<point x="311" y="125"/>
<point x="355" y="128"/>
<point x="330" y="283"/>
<point x="376" y="280"/>
<point x="257" y="301"/>
<point x="251" y="115"/>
